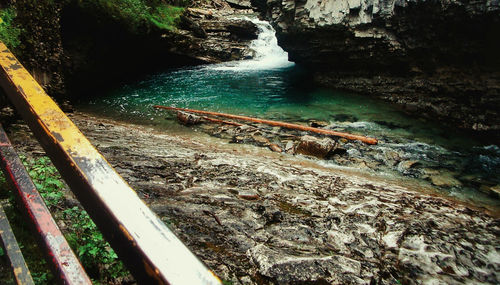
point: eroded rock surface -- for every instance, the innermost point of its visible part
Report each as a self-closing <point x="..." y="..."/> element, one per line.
<point x="259" y="217"/>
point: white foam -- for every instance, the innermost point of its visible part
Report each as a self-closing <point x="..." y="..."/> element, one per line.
<point x="268" y="55"/>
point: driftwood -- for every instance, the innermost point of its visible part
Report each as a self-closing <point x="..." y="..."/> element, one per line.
<point x="364" y="139"/>
<point x="221" y="121"/>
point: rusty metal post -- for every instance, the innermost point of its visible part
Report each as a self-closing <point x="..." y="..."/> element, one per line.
<point x="62" y="260"/>
<point x="150" y="250"/>
<point x="19" y="268"/>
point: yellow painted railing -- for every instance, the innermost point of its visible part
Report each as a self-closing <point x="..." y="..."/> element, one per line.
<point x="149" y="249"/>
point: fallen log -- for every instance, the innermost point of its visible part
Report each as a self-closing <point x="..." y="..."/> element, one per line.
<point x="364" y="139"/>
<point x="221" y="121"/>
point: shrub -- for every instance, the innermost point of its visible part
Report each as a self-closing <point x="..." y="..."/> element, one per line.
<point x="9" y="33"/>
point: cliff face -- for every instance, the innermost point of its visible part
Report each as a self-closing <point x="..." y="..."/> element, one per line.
<point x="438" y="57"/>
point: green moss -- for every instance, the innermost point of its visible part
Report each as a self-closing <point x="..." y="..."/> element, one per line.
<point x="9" y="33"/>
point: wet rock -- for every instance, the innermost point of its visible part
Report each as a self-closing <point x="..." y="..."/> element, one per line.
<point x="199" y="13"/>
<point x="391" y="158"/>
<point x="491" y="190"/>
<point x="188" y="119"/>
<point x="240" y="4"/>
<point x="275" y="147"/>
<point x="189" y="24"/>
<point x="445" y="180"/>
<point x="260" y="140"/>
<point x="248" y="195"/>
<point x="409" y="167"/>
<point x="289" y="147"/>
<point x="289" y="268"/>
<point x="313" y="146"/>
<point x="317" y="124"/>
<point x="243" y="29"/>
<point x="353" y="152"/>
<point x="407" y="164"/>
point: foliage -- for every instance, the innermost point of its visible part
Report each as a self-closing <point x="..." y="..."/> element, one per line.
<point x="34" y="257"/>
<point x="166" y="17"/>
<point x="85" y="239"/>
<point x="46" y="179"/>
<point x="9" y="33"/>
<point x="91" y="247"/>
<point x="137" y="15"/>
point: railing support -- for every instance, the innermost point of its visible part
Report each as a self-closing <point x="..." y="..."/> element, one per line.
<point x="9" y="243"/>
<point x="61" y="259"/>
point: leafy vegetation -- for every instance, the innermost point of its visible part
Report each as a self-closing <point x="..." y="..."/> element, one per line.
<point x="137" y="15"/>
<point x="94" y="252"/>
<point x="166" y="17"/>
<point x="34" y="257"/>
<point x="9" y="33"/>
<point x="46" y="179"/>
<point x="97" y="257"/>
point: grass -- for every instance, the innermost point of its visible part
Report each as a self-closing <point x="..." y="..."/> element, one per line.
<point x="9" y="33"/>
<point x="95" y="254"/>
<point x="166" y="16"/>
<point x="138" y="15"/>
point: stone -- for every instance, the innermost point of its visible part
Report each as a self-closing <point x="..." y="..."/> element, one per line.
<point x="289" y="147"/>
<point x="288" y="268"/>
<point x="243" y="29"/>
<point x="240" y="4"/>
<point x="189" y="24"/>
<point x="188" y="119"/>
<point x="248" y="195"/>
<point x="313" y="146"/>
<point x="445" y="180"/>
<point x="274" y="147"/>
<point x="317" y="124"/>
<point x="260" y="140"/>
<point x="491" y="190"/>
<point x="408" y="167"/>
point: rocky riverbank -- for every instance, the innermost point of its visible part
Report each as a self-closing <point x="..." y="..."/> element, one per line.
<point x="258" y="217"/>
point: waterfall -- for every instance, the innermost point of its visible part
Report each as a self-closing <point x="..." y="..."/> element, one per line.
<point x="268" y="54"/>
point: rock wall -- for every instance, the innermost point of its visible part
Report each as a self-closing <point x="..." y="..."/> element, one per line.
<point x="437" y="57"/>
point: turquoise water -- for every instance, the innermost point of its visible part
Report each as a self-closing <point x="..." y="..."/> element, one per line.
<point x="287" y="94"/>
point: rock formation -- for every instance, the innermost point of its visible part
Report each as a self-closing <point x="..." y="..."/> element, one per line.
<point x="436" y="57"/>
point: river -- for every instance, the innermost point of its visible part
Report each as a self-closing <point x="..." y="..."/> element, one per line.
<point x="268" y="86"/>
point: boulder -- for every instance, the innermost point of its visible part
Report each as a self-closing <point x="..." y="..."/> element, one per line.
<point x="445" y="180"/>
<point x="243" y="29"/>
<point x="491" y="190"/>
<point x="313" y="146"/>
<point x="189" y="24"/>
<point x="240" y="4"/>
<point x="274" y="147"/>
<point x="287" y="269"/>
<point x="406" y="166"/>
<point x="289" y="147"/>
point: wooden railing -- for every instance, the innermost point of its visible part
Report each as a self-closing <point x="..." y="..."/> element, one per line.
<point x="152" y="253"/>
